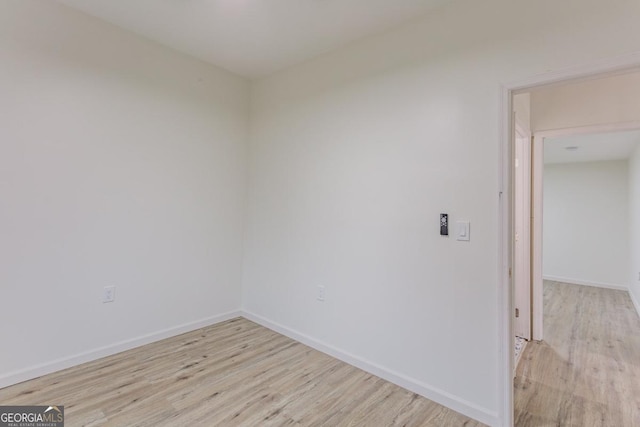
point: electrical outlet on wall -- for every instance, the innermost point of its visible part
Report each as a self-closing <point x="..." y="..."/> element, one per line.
<point x="321" y="293"/>
<point x="109" y="294"/>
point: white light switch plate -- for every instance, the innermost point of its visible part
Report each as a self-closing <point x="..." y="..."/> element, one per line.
<point x="463" y="230"/>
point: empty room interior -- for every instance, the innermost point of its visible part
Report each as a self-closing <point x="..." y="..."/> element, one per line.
<point x="278" y="212"/>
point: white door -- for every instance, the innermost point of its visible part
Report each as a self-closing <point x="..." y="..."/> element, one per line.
<point x="522" y="237"/>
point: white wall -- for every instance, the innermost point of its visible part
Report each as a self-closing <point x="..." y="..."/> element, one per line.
<point x="353" y="156"/>
<point x="607" y="100"/>
<point x="121" y="163"/>
<point x="586" y="223"/>
<point x="634" y="227"/>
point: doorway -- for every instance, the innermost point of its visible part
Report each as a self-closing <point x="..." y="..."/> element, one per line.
<point x="589" y="319"/>
<point x="509" y="204"/>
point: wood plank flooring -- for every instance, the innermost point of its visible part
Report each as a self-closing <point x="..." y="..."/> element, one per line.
<point x="586" y="372"/>
<point x="236" y="373"/>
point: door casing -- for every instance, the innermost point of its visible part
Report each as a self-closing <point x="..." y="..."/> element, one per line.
<point x="522" y="231"/>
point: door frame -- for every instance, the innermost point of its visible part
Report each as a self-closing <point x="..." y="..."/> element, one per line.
<point x="523" y="270"/>
<point x="505" y="209"/>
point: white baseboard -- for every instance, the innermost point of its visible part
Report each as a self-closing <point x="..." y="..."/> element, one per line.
<point x="586" y="283"/>
<point x="635" y="301"/>
<point x="432" y="393"/>
<point x="91" y="355"/>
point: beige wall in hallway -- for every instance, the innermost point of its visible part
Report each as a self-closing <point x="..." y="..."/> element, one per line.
<point x="586" y="223"/>
<point x="606" y="100"/>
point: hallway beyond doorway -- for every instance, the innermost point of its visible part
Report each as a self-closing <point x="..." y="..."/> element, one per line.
<point x="587" y="369"/>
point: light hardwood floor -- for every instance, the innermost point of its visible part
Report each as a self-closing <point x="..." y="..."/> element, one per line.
<point x="235" y="373"/>
<point x="586" y="372"/>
